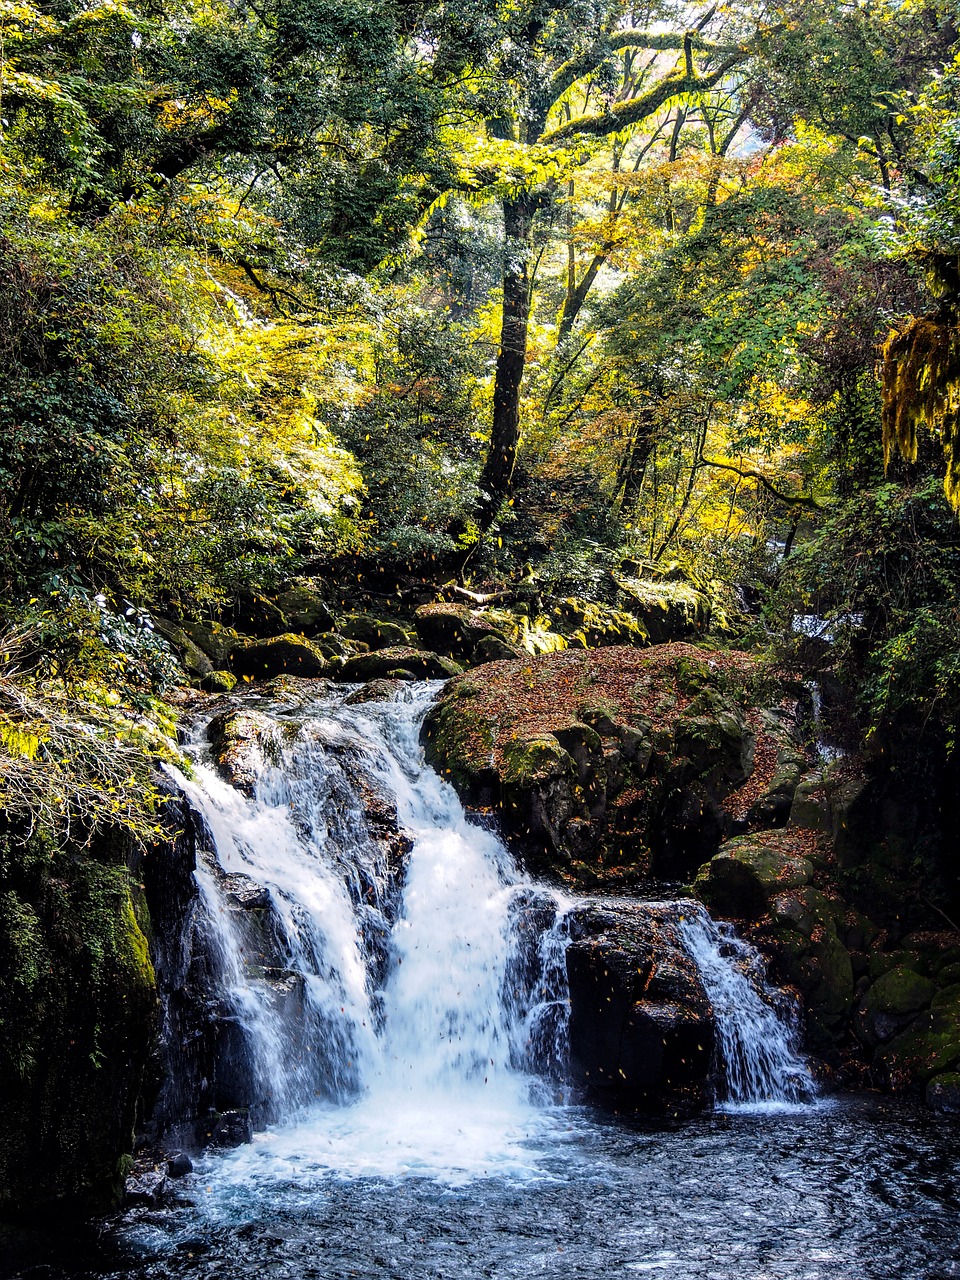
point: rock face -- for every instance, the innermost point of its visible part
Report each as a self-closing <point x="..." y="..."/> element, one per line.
<point x="641" y="1026"/>
<point x="607" y="765"/>
<point x="77" y="1019"/>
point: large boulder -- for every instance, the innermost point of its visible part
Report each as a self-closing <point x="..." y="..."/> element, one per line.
<point x="453" y="629"/>
<point x="397" y="661"/>
<point x="746" y="872"/>
<point x="303" y="608"/>
<point x="243" y="742"/>
<point x="375" y="633"/>
<point x="605" y="765"/>
<point x="641" y="1025"/>
<point x="279" y="655"/>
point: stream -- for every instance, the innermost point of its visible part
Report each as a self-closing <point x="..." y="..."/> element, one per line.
<point x="400" y="1035"/>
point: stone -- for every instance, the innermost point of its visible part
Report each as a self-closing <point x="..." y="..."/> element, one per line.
<point x="741" y="878"/>
<point x="145" y="1188"/>
<point x="218" y="682"/>
<point x="374" y="691"/>
<point x="373" y="632"/>
<point x="385" y="662"/>
<point x="891" y="1004"/>
<point x="929" y="1047"/>
<point x="943" y="1093"/>
<point x="303" y="608"/>
<point x="179" y="1165"/>
<point x="494" y="648"/>
<point x="193" y="659"/>
<point x="242" y="742"/>
<point x="453" y="629"/>
<point x="641" y="1029"/>
<point x="214" y="639"/>
<point x="231" y="1129"/>
<point x="279" y="655"/>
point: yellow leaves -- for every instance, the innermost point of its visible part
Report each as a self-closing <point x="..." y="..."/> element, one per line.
<point x="21" y="741"/>
<point x="206" y="110"/>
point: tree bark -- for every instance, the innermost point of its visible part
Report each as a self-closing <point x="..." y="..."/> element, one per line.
<point x="497" y="475"/>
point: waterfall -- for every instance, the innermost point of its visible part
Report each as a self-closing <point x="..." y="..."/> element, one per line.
<point x="397" y="1008"/>
<point x="411" y="1025"/>
<point x="758" y="1060"/>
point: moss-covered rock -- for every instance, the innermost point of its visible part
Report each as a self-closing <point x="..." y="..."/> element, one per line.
<point x="77" y="1019"/>
<point x="748" y="871"/>
<point x="243" y="742"/>
<point x="303" y="608"/>
<point x="385" y="663"/>
<point x="943" y="1093"/>
<point x="375" y="633"/>
<point x="218" y="682"/>
<point x="454" y="629"/>
<point x="604" y="763"/>
<point x="929" y="1047"/>
<point x="891" y="1004"/>
<point x="278" y="655"/>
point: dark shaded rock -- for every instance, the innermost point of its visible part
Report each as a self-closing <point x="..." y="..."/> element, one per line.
<point x="78" y="1009"/>
<point x="386" y="663"/>
<point x="494" y="649"/>
<point x="641" y="1027"/>
<point x="195" y="662"/>
<point x="453" y="629"/>
<point x="231" y="1129"/>
<point x="303" y="608"/>
<point x="374" y="691"/>
<point x="255" y="615"/>
<point x="279" y="655"/>
<point x="891" y="1004"/>
<point x="215" y="640"/>
<point x="373" y="632"/>
<point x="740" y="880"/>
<point x="179" y="1165"/>
<point x="929" y="1047"/>
<point x="145" y="1188"/>
<point x="943" y="1093"/>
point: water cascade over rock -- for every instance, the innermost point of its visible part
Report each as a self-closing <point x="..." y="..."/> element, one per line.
<point x="365" y="966"/>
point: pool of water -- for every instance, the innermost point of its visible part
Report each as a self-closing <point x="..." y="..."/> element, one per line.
<point x="862" y="1188"/>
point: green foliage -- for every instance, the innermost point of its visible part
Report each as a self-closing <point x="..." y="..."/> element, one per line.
<point x="884" y="570"/>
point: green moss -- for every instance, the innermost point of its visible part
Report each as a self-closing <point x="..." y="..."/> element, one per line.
<point x="77" y="1016"/>
<point x="900" y="991"/>
<point x="535" y="760"/>
<point x="929" y="1047"/>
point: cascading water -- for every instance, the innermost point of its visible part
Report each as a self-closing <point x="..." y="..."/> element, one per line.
<point x="414" y="1030"/>
<point x="756" y="1040"/>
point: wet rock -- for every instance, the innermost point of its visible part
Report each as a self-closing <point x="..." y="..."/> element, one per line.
<point x="179" y="1165"/>
<point x="641" y="1029"/>
<point x="147" y="1187"/>
<point x="374" y="691"/>
<point x="595" y="625"/>
<point x="453" y="629"/>
<point x="242" y="742"/>
<point x="385" y="663"/>
<point x="279" y="655"/>
<point x="231" y="1129"/>
<point x="943" y="1093"/>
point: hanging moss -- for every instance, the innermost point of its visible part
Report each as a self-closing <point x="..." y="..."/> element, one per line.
<point x="921" y="391"/>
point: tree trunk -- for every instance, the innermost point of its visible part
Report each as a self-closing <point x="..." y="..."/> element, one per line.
<point x="497" y="474"/>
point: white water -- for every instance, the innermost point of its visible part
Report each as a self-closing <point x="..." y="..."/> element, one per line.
<point x="424" y="1028"/>
<point x="756" y="1044"/>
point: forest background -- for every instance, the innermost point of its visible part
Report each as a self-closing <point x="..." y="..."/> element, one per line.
<point x="633" y="302"/>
